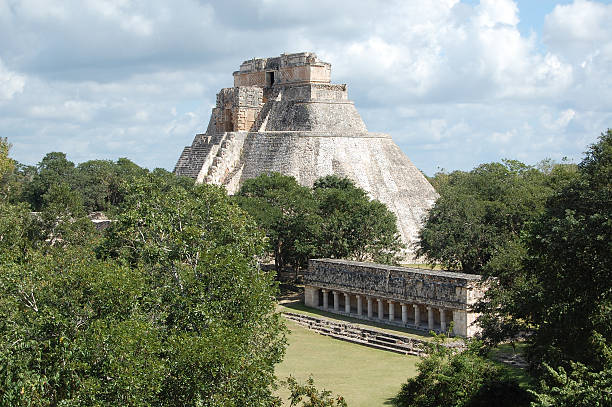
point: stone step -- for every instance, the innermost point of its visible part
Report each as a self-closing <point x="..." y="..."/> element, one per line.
<point x="363" y="336"/>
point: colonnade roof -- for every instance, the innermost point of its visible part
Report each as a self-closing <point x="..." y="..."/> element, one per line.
<point x="378" y="266"/>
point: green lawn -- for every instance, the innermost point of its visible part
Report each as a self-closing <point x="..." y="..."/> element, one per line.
<point x="364" y="376"/>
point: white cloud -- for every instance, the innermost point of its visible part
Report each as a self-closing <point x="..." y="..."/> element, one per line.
<point x="11" y="83"/>
<point x="455" y="84"/>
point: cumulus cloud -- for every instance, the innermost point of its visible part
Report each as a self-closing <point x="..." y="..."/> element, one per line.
<point x="454" y="83"/>
<point x="10" y="83"/>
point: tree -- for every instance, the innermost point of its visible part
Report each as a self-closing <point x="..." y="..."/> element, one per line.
<point x="352" y="225"/>
<point x="170" y="310"/>
<point x="307" y="395"/>
<point x="480" y="213"/>
<point x="217" y="308"/>
<point x="6" y="163"/>
<point x="53" y="169"/>
<point x="447" y="378"/>
<point x="580" y="387"/>
<point x="335" y="219"/>
<point x="569" y="264"/>
<point x="72" y="332"/>
<point x="286" y="212"/>
<point x="560" y="288"/>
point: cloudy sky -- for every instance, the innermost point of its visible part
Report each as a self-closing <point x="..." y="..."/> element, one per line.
<point x="455" y="83"/>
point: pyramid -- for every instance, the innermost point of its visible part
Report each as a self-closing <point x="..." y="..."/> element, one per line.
<point x="284" y="115"/>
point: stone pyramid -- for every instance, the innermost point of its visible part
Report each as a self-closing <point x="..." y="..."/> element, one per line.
<point x="284" y="114"/>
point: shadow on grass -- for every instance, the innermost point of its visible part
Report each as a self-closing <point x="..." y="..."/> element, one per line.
<point x="299" y="307"/>
<point x="507" y="351"/>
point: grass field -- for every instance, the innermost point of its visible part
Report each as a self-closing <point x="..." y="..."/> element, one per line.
<point x="363" y="376"/>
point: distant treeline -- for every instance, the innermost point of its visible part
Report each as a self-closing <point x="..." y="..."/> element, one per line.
<point x="96" y="185"/>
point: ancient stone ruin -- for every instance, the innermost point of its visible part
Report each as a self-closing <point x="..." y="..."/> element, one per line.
<point x="408" y="297"/>
<point x="284" y="114"/>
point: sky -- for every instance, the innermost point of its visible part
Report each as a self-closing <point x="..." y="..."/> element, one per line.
<point x="455" y="83"/>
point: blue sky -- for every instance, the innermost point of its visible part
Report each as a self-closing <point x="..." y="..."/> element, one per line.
<point x="455" y="83"/>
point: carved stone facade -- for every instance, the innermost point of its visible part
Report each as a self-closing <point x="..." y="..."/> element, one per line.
<point x="415" y="298"/>
<point x="284" y="115"/>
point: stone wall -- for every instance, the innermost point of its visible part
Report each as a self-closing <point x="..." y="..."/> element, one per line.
<point x="408" y="297"/>
<point x="410" y="285"/>
<point x="303" y="67"/>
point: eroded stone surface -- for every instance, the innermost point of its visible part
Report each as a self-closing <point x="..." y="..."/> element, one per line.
<point x="422" y="299"/>
<point x="284" y="115"/>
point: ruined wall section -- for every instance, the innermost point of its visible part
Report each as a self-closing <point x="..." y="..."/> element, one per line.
<point x="237" y="108"/>
<point x="303" y="67"/>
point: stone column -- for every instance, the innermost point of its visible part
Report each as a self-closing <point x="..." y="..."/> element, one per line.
<point x="430" y="318"/>
<point x="347" y="303"/>
<point x="336" y="301"/>
<point x="359" y="305"/>
<point x="417" y="315"/>
<point x="404" y="313"/>
<point x="370" y="312"/>
<point x="391" y="310"/>
<point x="325" y="299"/>
<point x="442" y="320"/>
<point x="381" y="309"/>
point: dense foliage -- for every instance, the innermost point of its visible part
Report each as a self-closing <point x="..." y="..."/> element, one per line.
<point x="352" y="225"/>
<point x="167" y="309"/>
<point x="480" y="214"/>
<point x="545" y="235"/>
<point x="460" y="379"/>
<point x="98" y="185"/>
<point x="287" y="212"/>
<point x="569" y="262"/>
<point x="334" y="219"/>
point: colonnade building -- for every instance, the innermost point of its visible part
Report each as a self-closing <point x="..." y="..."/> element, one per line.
<point x="408" y="297"/>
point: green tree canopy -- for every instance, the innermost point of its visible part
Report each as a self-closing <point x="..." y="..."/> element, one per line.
<point x="170" y="310"/>
<point x="569" y="263"/>
<point x="53" y="169"/>
<point x="286" y="212"/>
<point x="463" y="379"/>
<point x="480" y="213"/>
<point x="352" y="225"/>
<point x="334" y="219"/>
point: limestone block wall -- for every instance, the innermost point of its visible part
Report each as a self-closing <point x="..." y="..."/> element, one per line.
<point x="430" y="287"/>
<point x="415" y="298"/>
<point x="289" y="115"/>
<point x="288" y="68"/>
<point x="237" y="108"/>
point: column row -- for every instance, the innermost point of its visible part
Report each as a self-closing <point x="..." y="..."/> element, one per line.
<point x="406" y="312"/>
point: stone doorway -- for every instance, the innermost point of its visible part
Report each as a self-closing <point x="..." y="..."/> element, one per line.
<point x="269" y="78"/>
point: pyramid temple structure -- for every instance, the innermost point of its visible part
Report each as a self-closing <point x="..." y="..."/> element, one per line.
<point x="284" y="115"/>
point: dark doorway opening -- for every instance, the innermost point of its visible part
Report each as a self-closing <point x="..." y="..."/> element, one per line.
<point x="269" y="78"/>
